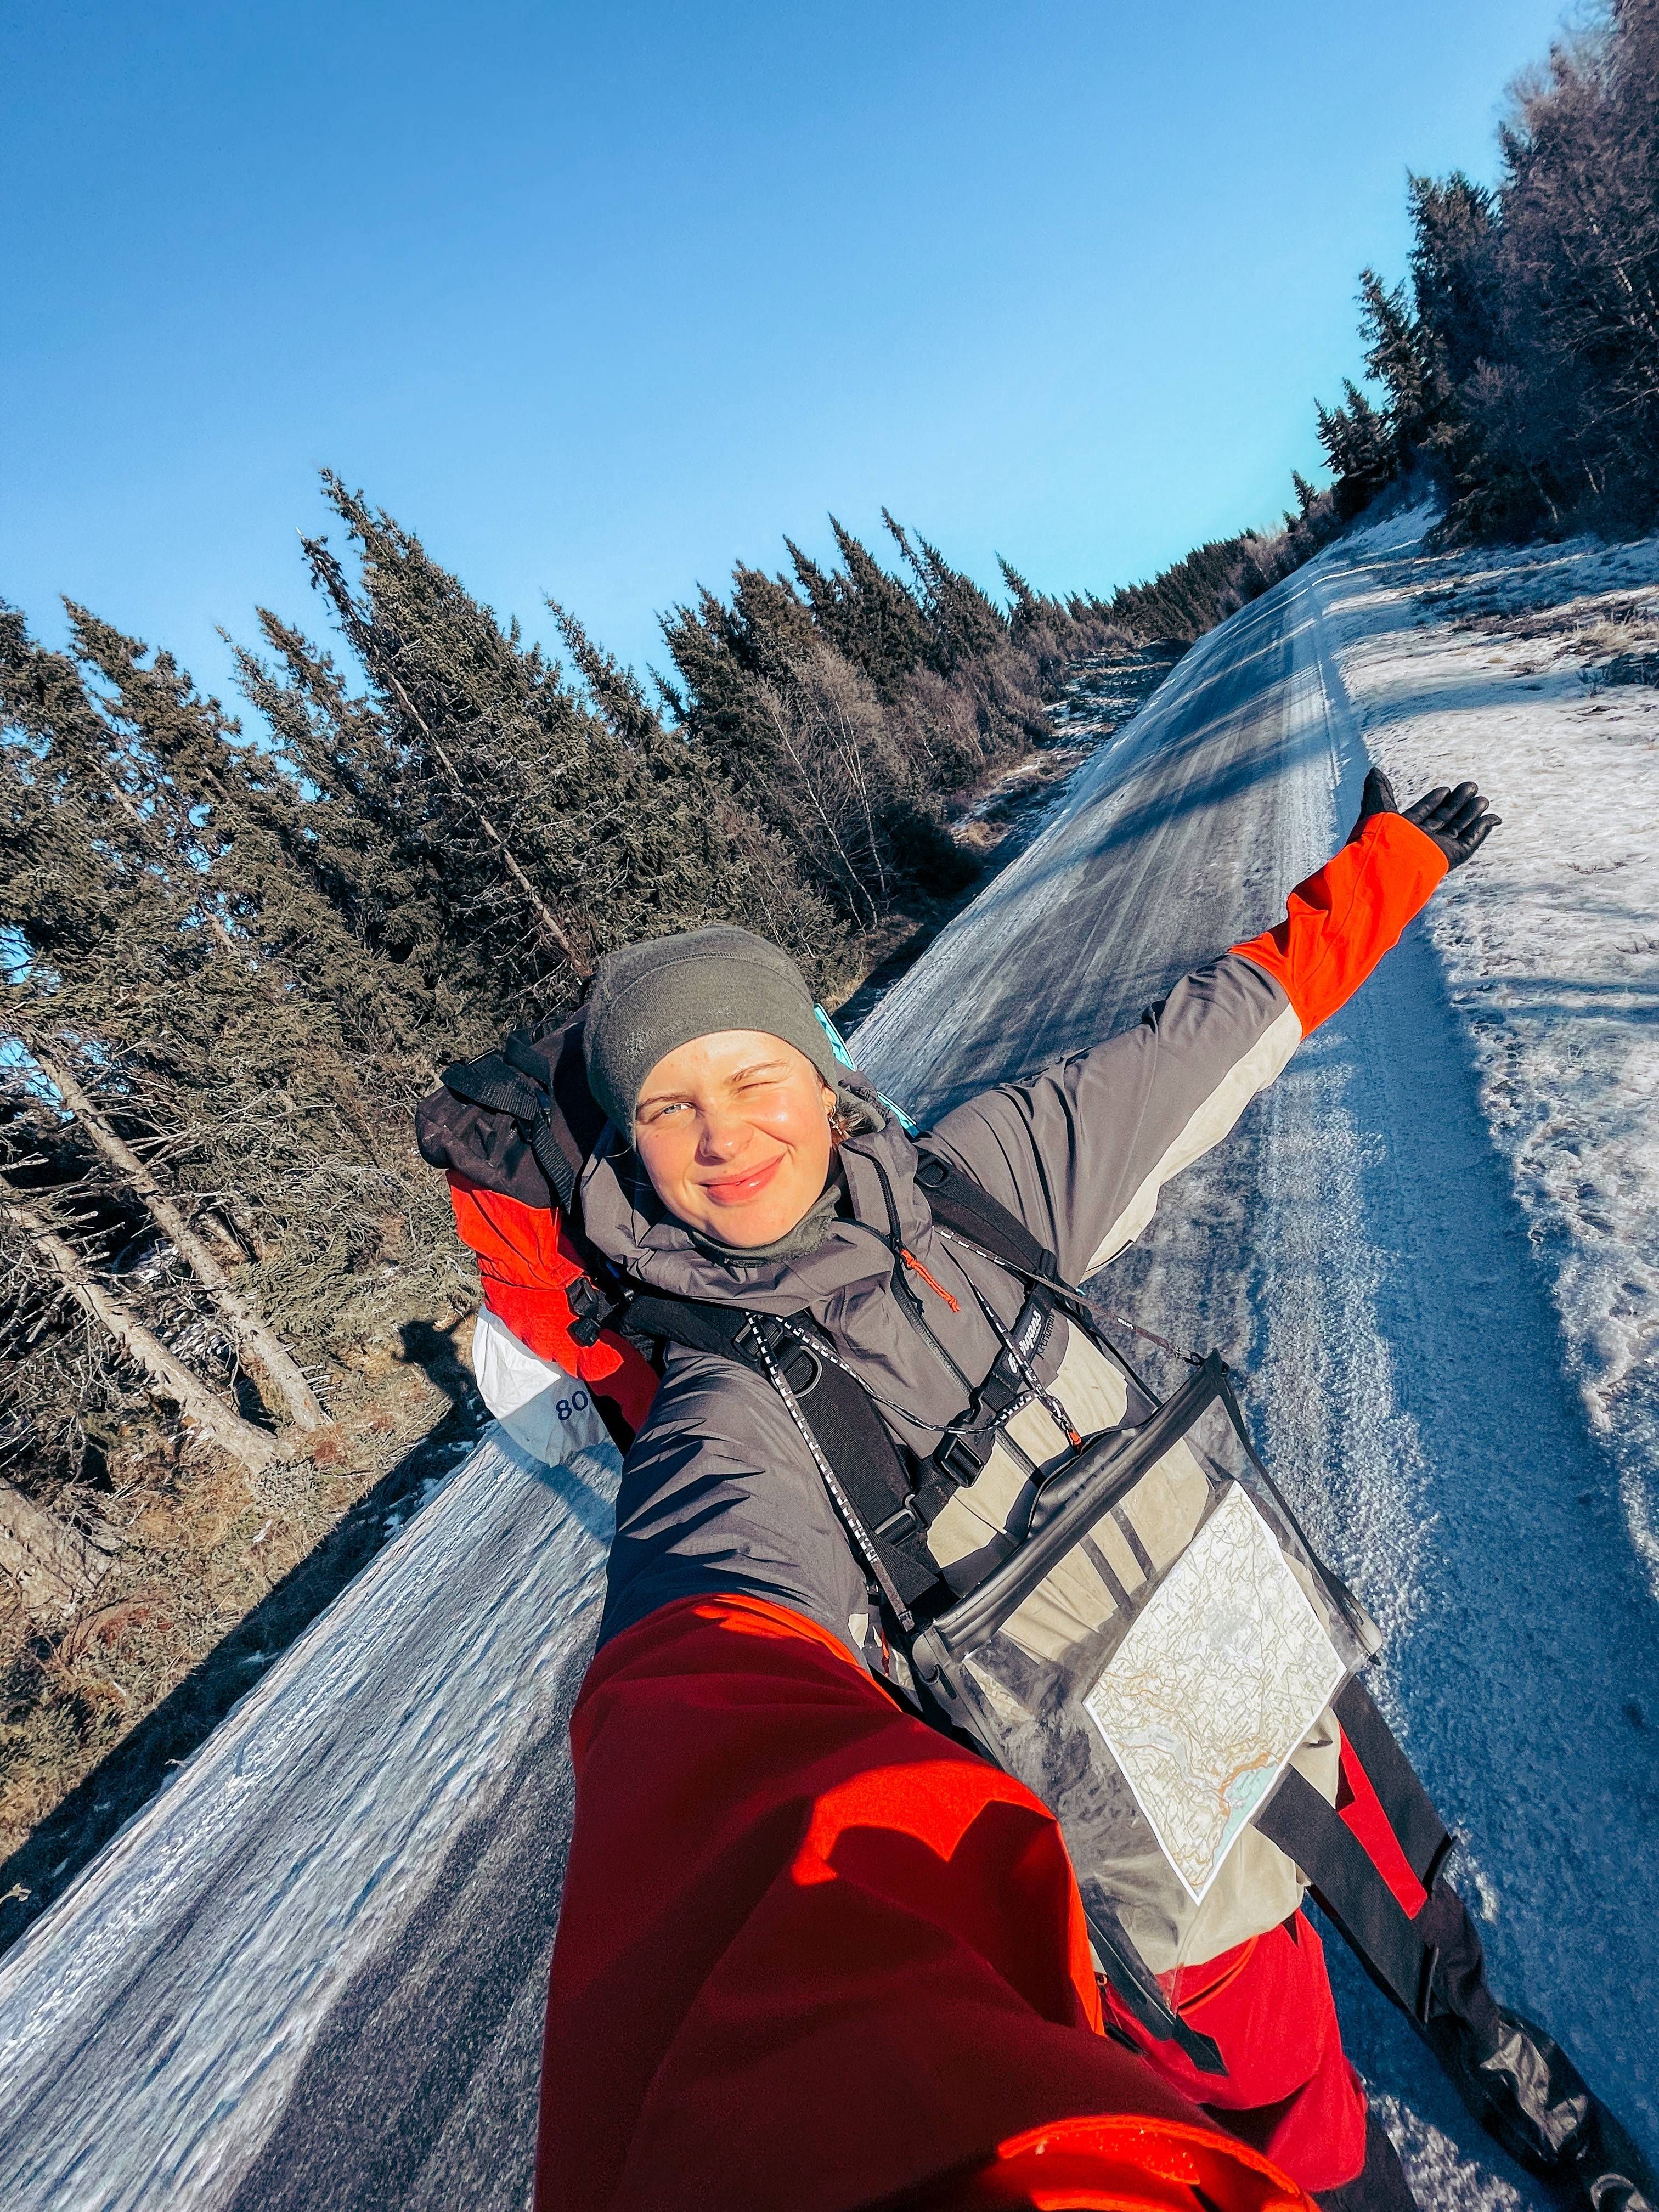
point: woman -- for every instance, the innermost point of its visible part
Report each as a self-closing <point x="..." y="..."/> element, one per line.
<point x="797" y="1924"/>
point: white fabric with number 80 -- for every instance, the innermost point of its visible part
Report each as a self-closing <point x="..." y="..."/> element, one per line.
<point x="544" y="1410"/>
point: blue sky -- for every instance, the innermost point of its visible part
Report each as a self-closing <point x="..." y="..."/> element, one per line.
<point x="600" y="299"/>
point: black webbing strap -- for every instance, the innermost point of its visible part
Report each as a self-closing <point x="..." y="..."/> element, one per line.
<point x="1351" y="1891"/>
<point x="700" y="1326"/>
<point x="851" y="1438"/>
<point x="490" y="1082"/>
<point x="960" y="1457"/>
<point x="1422" y="1834"/>
<point x="551" y="1159"/>
<point x="957" y="1200"/>
<point x="963" y="1209"/>
<point x="1134" y="1987"/>
<point x="849" y="1432"/>
<point x="495" y="1085"/>
<point x="565" y="1132"/>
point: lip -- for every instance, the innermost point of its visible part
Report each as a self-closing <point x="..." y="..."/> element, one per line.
<point x="737" y="1190"/>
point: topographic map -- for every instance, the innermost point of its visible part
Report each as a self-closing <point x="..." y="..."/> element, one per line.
<point x="1213" y="1688"/>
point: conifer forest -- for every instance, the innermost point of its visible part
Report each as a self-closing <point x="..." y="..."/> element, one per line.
<point x="242" y="939"/>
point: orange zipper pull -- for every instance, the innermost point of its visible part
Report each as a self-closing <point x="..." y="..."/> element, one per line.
<point x="911" y="1260"/>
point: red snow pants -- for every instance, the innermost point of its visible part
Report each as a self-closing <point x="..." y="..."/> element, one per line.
<point x="1268" y="2007"/>
<point x="1289" y="2091"/>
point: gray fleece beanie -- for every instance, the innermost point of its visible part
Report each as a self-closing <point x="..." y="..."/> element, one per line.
<point x="649" y="1000"/>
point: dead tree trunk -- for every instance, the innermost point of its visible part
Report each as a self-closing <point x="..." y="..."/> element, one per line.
<point x="201" y="1410"/>
<point x="51" y="1563"/>
<point x="255" y="1336"/>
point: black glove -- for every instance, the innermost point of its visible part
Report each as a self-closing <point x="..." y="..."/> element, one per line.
<point x="1457" y="821"/>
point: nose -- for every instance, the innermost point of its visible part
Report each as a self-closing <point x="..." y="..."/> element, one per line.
<point x="721" y="1135"/>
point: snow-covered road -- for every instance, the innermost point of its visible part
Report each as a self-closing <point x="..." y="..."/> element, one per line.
<point x="310" y="1974"/>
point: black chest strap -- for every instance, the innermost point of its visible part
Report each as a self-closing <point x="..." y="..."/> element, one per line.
<point x="848" y="1431"/>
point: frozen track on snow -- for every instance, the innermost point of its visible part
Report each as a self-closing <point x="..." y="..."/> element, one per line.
<point x="311" y="1972"/>
<point x="1357" y="1248"/>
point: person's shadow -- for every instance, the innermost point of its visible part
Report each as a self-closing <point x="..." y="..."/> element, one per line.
<point x="432" y="1350"/>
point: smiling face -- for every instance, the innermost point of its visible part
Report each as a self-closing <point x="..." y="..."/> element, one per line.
<point x="733" y="1131"/>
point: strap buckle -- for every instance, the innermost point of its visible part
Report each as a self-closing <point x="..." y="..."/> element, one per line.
<point x="904" y="1522"/>
<point x="590" y="1308"/>
<point x="961" y="1459"/>
<point x="786" y="1348"/>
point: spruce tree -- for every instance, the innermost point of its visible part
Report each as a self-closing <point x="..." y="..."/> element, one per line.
<point x="888" y="635"/>
<point x="966" y="625"/>
<point x="1400" y="356"/>
<point x="479" y="820"/>
<point x="131" y="973"/>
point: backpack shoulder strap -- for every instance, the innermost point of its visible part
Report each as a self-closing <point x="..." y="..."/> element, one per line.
<point x="700" y="1326"/>
<point x="959" y="1203"/>
<point x="847" y="1430"/>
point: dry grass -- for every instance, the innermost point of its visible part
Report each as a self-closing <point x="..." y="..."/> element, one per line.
<point x="1007" y="804"/>
<point x="1610" y="635"/>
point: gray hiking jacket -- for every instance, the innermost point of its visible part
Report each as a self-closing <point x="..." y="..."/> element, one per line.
<point x="720" y="1492"/>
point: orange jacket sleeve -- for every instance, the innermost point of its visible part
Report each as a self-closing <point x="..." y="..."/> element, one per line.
<point x="1341" y="923"/>
<point x="812" y="1953"/>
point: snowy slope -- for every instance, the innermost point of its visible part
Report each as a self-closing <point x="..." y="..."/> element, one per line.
<point x="1550" y="949"/>
<point x="1508" y="1201"/>
<point x="311" y="1973"/>
<point x="1359" y="1248"/>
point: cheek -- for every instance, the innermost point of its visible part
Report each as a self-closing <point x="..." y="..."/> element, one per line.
<point x="807" y="1133"/>
<point x="663" y="1154"/>
<point x="799" y="1123"/>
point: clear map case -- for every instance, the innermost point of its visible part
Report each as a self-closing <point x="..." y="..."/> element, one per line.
<point x="1150" y="1658"/>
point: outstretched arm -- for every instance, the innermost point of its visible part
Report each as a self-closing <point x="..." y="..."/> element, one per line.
<point x="812" y="1953"/>
<point x="1081" y="1151"/>
<point x="1342" y="922"/>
